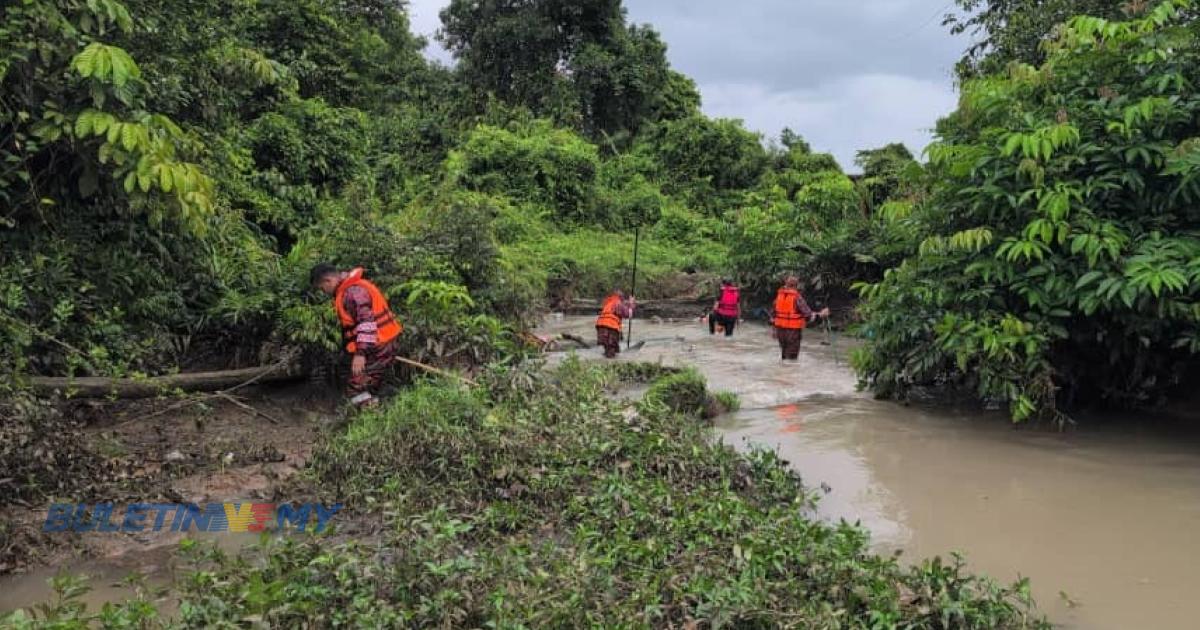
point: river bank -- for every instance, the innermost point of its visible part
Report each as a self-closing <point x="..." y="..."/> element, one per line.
<point x="545" y="497"/>
<point x="1100" y="517"/>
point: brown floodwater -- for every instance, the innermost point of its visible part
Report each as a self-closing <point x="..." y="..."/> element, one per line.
<point x="1103" y="518"/>
<point x="108" y="578"/>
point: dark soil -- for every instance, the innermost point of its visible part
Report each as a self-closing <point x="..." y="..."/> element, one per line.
<point x="205" y="449"/>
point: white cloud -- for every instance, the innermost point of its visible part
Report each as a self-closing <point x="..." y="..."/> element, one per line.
<point x="841" y="116"/>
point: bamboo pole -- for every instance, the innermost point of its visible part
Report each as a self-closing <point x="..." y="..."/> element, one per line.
<point x="633" y="286"/>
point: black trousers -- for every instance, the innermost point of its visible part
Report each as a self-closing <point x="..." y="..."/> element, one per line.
<point x="728" y="321"/>
<point x="789" y="342"/>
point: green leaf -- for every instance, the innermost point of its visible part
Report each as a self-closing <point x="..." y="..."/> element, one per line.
<point x="1010" y="145"/>
<point x="85" y="62"/>
<point x="129" y="136"/>
<point x="1088" y="278"/>
<point x="83" y="124"/>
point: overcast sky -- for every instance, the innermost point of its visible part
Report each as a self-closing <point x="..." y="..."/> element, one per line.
<point x="845" y="74"/>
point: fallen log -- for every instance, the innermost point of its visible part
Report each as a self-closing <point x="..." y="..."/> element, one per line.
<point x="577" y="339"/>
<point x="433" y="370"/>
<point x="149" y="387"/>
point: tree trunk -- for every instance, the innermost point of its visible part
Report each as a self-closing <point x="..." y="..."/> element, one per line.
<point x="101" y="387"/>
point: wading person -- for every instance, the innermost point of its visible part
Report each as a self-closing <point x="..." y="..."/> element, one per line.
<point x="368" y="327"/>
<point x="616" y="308"/>
<point x="790" y="315"/>
<point x="726" y="310"/>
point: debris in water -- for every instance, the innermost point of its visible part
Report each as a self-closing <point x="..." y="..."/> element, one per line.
<point x="1071" y="603"/>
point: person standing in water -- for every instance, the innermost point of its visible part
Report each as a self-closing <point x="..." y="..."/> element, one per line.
<point x="616" y="308"/>
<point x="789" y="317"/>
<point x="726" y="310"/>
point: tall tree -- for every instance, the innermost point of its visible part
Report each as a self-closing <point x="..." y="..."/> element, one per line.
<point x="883" y="171"/>
<point x="578" y="62"/>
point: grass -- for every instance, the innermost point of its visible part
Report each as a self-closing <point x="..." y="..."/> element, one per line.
<point x="540" y="500"/>
<point x="729" y="401"/>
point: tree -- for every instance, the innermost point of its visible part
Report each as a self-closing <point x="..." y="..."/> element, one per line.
<point x="883" y="171"/>
<point x="700" y="157"/>
<point x="814" y="229"/>
<point x="357" y="53"/>
<point x="793" y="141"/>
<point x="1015" y="30"/>
<point x="1060" y="261"/>
<point x="576" y="62"/>
<point x="537" y="163"/>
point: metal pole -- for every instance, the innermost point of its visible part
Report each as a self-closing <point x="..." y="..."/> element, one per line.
<point x="633" y="286"/>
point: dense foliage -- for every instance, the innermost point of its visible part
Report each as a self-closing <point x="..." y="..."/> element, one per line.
<point x="543" y="501"/>
<point x="1004" y="31"/>
<point x="1057" y="260"/>
<point x="169" y="171"/>
<point x="576" y="62"/>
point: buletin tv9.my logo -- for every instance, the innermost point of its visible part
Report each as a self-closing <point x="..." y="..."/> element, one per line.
<point x="185" y="517"/>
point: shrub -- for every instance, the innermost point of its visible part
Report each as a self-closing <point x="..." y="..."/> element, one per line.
<point x="537" y="163"/>
<point x="1060" y="262"/>
<point x="684" y="393"/>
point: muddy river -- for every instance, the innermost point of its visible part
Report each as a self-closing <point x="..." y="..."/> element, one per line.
<point x="1104" y="518"/>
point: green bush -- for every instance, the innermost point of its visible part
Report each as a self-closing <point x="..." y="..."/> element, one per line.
<point x="819" y="233"/>
<point x="1060" y="262"/>
<point x="684" y="393"/>
<point x="537" y="163"/>
<point x="728" y="401"/>
<point x="703" y="160"/>
<point x="440" y="267"/>
<point x="590" y="263"/>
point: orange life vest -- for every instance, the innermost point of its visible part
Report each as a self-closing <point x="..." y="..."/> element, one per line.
<point x="388" y="327"/>
<point x="608" y="313"/>
<point x="786" y="315"/>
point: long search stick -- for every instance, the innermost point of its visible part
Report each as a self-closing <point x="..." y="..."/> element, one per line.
<point x="430" y="368"/>
<point x="633" y="286"/>
<point x="832" y="338"/>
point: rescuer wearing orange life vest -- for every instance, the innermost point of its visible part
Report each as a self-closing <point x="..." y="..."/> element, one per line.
<point x="790" y="315"/>
<point x="617" y="306"/>
<point x="369" y="327"/>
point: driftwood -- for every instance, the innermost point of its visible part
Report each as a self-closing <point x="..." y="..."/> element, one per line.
<point x="221" y="380"/>
<point x="577" y="339"/>
<point x="433" y="370"/>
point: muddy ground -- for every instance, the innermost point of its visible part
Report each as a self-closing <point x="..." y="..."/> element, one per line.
<point x="195" y="450"/>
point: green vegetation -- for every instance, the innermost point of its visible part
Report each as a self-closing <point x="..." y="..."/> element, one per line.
<point x="728" y="401"/>
<point x="1056" y="259"/>
<point x="540" y="501"/>
<point x="1004" y="31"/>
<point x="683" y="392"/>
<point x="170" y="171"/>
